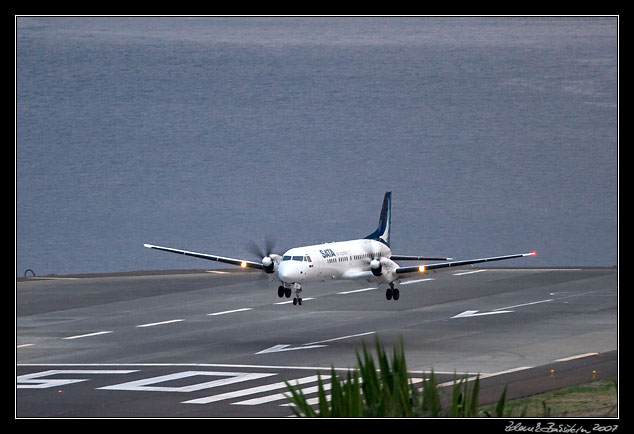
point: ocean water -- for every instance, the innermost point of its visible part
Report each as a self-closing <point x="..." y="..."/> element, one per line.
<point x="495" y="135"/>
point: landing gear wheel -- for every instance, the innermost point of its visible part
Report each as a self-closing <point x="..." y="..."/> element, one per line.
<point x="287" y="292"/>
<point x="396" y="294"/>
<point x="297" y="300"/>
<point x="280" y="291"/>
<point x="389" y="293"/>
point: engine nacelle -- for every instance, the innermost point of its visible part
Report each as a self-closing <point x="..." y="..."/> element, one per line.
<point x="268" y="265"/>
<point x="376" y="267"/>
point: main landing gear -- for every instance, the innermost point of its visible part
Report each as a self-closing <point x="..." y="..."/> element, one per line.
<point x="281" y="292"/>
<point x="286" y="292"/>
<point x="392" y="293"/>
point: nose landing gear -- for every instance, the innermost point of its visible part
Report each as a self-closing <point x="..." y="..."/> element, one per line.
<point x="297" y="300"/>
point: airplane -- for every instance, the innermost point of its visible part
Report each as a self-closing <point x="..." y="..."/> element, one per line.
<point x="369" y="258"/>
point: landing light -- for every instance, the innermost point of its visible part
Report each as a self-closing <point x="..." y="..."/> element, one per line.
<point x="243" y="264"/>
<point x="533" y="253"/>
<point x="421" y="268"/>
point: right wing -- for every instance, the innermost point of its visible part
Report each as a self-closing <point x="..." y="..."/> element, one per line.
<point x="232" y="261"/>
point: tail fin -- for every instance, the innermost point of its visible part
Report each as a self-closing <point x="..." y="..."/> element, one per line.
<point x="382" y="233"/>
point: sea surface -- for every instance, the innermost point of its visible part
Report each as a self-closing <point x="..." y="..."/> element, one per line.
<point x="496" y="135"/>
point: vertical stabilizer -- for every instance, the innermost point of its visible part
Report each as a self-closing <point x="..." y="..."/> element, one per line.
<point x="382" y="233"/>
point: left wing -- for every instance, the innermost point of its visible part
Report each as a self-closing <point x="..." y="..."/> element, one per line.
<point x="416" y="258"/>
<point x="232" y="261"/>
<point x="427" y="267"/>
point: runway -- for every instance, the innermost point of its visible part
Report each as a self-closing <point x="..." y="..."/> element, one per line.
<point x="221" y="343"/>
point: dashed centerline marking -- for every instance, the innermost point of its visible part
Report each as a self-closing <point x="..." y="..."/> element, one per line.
<point x="290" y="301"/>
<point x="417" y="281"/>
<point x="88" y="334"/>
<point x="356" y="290"/>
<point x="230" y="311"/>
<point x="468" y="272"/>
<point x="160" y="323"/>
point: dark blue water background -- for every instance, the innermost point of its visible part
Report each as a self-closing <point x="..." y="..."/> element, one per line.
<point x="495" y="135"/>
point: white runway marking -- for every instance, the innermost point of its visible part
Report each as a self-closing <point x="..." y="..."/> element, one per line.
<point x="525" y="304"/>
<point x="35" y="381"/>
<point x="252" y="390"/>
<point x="314" y="401"/>
<point x="340" y="338"/>
<point x="416" y="281"/>
<point x="507" y="371"/>
<point x="468" y="272"/>
<point x="472" y="313"/>
<point x="244" y="309"/>
<point x="356" y="290"/>
<point x="160" y="323"/>
<point x="280" y="396"/>
<point x="148" y="384"/>
<point x="578" y="356"/>
<point x="290" y="301"/>
<point x="87" y="335"/>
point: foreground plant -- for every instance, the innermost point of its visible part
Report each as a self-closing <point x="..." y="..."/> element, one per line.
<point x="387" y="391"/>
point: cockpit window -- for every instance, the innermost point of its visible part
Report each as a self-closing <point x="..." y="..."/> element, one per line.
<point x="286" y="258"/>
<point x="308" y="258"/>
<point x="298" y="258"/>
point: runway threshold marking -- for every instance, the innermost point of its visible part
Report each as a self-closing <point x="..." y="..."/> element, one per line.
<point x="280" y="396"/>
<point x="253" y="390"/>
<point x="89" y="334"/>
<point x="328" y="386"/>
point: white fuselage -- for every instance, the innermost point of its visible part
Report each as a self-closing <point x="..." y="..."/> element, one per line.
<point x="338" y="260"/>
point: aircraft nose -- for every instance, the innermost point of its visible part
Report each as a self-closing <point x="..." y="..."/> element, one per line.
<point x="286" y="272"/>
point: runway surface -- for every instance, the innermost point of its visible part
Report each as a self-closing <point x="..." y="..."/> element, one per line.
<point x="221" y="343"/>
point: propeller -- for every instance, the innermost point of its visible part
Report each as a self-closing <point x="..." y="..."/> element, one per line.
<point x="374" y="260"/>
<point x="268" y="263"/>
